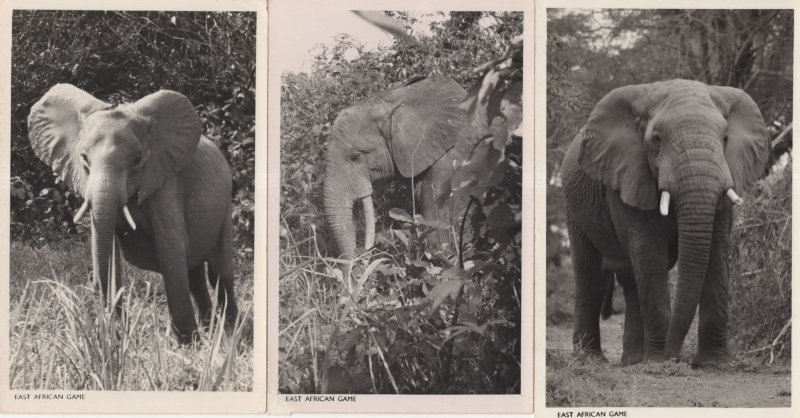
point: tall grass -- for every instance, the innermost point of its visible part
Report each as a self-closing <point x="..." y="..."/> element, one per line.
<point x="65" y="336"/>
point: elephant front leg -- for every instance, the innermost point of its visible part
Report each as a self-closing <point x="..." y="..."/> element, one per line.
<point x="171" y="244"/>
<point x="650" y="260"/>
<point x="197" y="283"/>
<point x="712" y="347"/>
<point x="633" y="339"/>
<point x="589" y="291"/>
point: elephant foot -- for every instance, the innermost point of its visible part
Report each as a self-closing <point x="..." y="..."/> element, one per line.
<point x="720" y="360"/>
<point x="631" y="358"/>
<point x="659" y="357"/>
<point x="187" y="336"/>
<point x="590" y="356"/>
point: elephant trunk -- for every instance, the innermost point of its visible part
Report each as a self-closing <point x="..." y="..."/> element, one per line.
<point x="695" y="211"/>
<point x="105" y="194"/>
<point x="339" y="214"/>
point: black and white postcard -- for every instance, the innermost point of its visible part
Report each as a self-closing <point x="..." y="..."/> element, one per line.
<point x="132" y="280"/>
<point x="399" y="265"/>
<point x="665" y="256"/>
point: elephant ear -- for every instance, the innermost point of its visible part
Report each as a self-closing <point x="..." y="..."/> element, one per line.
<point x="425" y="123"/>
<point x="173" y="132"/>
<point x="54" y="126"/>
<point x="612" y="148"/>
<point x="749" y="147"/>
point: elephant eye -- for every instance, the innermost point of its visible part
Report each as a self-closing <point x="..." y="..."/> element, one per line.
<point x="137" y="160"/>
<point x="655" y="140"/>
<point x="725" y="140"/>
<point x="85" y="160"/>
<point x="355" y="156"/>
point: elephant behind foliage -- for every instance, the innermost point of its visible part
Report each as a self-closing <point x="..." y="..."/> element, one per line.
<point x="417" y="131"/>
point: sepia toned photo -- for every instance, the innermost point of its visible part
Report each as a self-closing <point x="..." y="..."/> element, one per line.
<point x="132" y="207"/>
<point x="401" y="158"/>
<point x="669" y="208"/>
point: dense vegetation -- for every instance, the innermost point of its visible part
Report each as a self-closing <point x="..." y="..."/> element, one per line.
<point x="403" y="320"/>
<point x="62" y="336"/>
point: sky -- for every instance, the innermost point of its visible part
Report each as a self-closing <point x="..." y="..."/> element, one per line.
<point x="311" y="27"/>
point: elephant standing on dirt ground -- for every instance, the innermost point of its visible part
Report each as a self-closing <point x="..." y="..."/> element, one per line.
<point x="417" y="130"/>
<point x="651" y="180"/>
<point x="154" y="187"/>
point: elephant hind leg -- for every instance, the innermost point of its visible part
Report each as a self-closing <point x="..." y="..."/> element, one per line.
<point x="608" y="298"/>
<point x="220" y="269"/>
<point x="633" y="338"/>
<point x="589" y="292"/>
<point x="197" y="284"/>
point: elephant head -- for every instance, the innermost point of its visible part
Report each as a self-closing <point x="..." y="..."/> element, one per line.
<point x="109" y="154"/>
<point x="403" y="130"/>
<point x="692" y="145"/>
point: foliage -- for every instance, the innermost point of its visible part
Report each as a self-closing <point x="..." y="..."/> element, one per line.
<point x="761" y="270"/>
<point x="591" y="52"/>
<point x="404" y="318"/>
<point x="121" y="57"/>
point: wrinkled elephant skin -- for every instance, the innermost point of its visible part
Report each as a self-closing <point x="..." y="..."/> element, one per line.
<point x="155" y="188"/>
<point x="650" y="181"/>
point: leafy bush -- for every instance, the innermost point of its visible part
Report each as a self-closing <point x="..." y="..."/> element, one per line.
<point x="121" y="57"/>
<point x="761" y="270"/>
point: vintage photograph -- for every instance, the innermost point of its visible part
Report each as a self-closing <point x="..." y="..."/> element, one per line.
<point x="400" y="203"/>
<point x="669" y="207"/>
<point x="132" y="201"/>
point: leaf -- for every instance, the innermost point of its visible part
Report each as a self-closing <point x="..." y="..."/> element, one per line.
<point x="400" y="215"/>
<point x="348" y="340"/>
<point x="443" y="290"/>
<point x="485" y="168"/>
<point x="401" y="235"/>
<point x="455" y="273"/>
<point x="437" y="224"/>
<point x="386" y="23"/>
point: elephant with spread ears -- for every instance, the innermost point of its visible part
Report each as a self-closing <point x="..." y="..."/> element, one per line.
<point x="650" y="181"/>
<point x="156" y="189"/>
<point x="416" y="131"/>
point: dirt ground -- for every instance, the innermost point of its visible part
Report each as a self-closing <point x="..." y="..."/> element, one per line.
<point x="675" y="385"/>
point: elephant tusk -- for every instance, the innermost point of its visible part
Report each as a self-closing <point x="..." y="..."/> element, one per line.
<point x="734" y="197"/>
<point x="664" y="207"/>
<point x="128" y="217"/>
<point x="369" y="222"/>
<point x="81" y="211"/>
